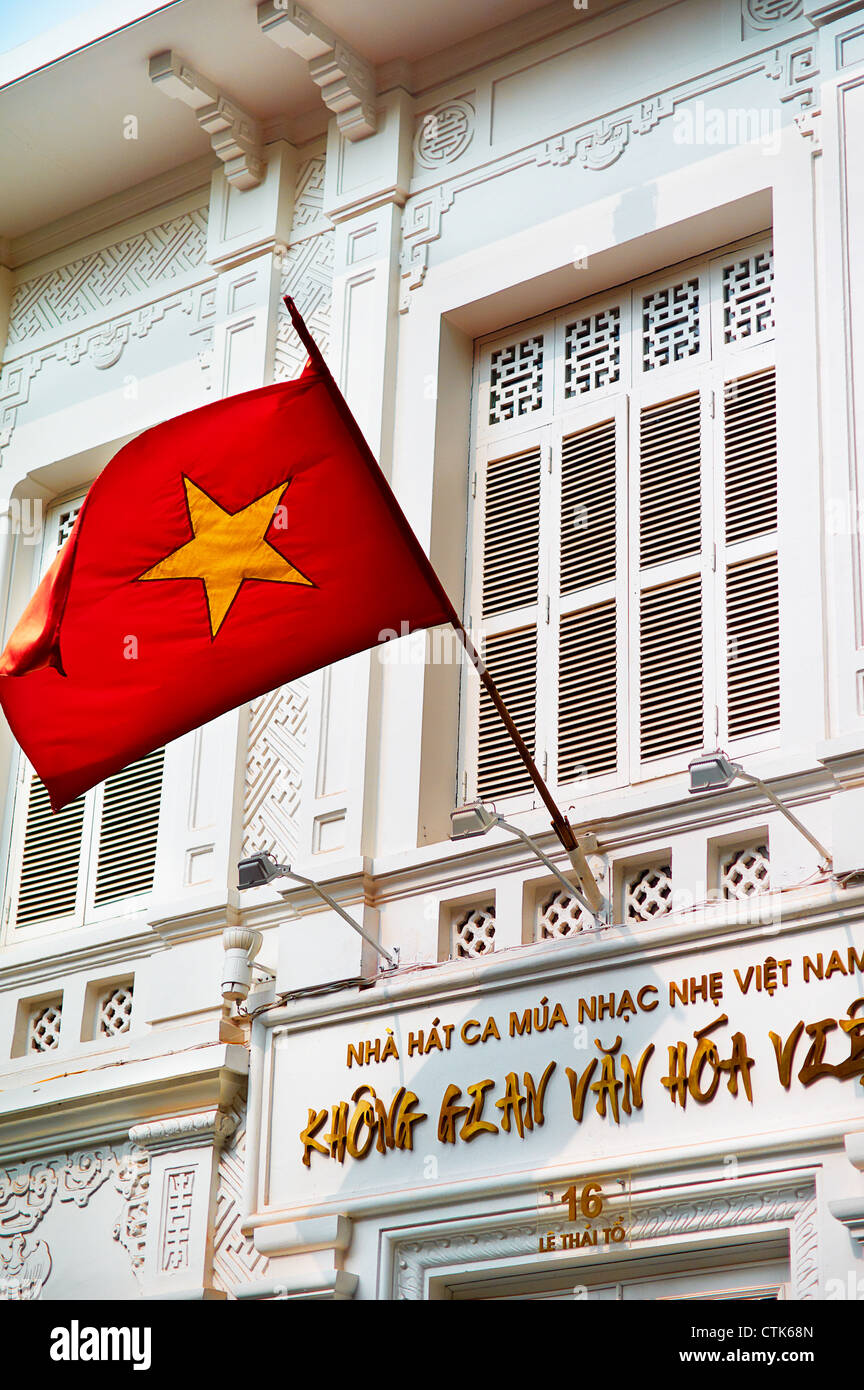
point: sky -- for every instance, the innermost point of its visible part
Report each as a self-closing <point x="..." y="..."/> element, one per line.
<point x="21" y="20"/>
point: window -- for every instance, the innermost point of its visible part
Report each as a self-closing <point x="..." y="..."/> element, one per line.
<point x="98" y="851"/>
<point x="623" y="568"/>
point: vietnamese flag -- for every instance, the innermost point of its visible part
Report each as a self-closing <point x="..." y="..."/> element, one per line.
<point x="217" y="556"/>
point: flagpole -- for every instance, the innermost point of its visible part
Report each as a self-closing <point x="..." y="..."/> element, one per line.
<point x="560" y="824"/>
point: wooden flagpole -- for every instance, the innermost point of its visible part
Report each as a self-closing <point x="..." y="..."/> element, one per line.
<point x="560" y="824"/>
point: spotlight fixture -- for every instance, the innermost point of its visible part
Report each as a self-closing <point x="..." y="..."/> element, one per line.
<point x="475" y="818"/>
<point x="261" y="868"/>
<point x="715" y="771"/>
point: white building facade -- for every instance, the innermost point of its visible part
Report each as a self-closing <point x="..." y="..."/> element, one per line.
<point x="588" y="277"/>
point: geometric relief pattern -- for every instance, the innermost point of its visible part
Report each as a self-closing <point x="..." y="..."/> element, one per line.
<point x="43" y="1031"/>
<point x="648" y="894"/>
<point x="670" y="325"/>
<point x="561" y="916"/>
<point x="27" y="1192"/>
<point x="115" y="1012"/>
<point x="235" y="1259"/>
<point x="98" y="281"/>
<point x="444" y="134"/>
<point x="516" y="380"/>
<point x="307" y="276"/>
<point x="748" y="296"/>
<point x="308" y="195"/>
<point x="592" y="352"/>
<point x="177" y="1218"/>
<point x="744" y="872"/>
<point x="274" y="770"/>
<point x="474" y="932"/>
<point x="762" y="14"/>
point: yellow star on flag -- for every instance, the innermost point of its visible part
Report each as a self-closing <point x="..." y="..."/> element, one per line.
<point x="225" y="549"/>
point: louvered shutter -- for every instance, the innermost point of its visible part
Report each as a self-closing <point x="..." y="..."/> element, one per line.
<point x="752" y="596"/>
<point x="588" y="514"/>
<point x="671" y="676"/>
<point x="511" y="541"/>
<point x="670" y="481"/>
<point x="126" y="850"/>
<point x="51" y="858"/>
<point x="750" y="437"/>
<point x="587" y="693"/>
<point x="510" y="584"/>
<point x="511" y="659"/>
<point x="102" y="847"/>
<point x="752" y="629"/>
<point x="587" y="643"/>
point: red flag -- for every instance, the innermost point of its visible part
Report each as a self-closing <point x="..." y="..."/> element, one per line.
<point x="217" y="556"/>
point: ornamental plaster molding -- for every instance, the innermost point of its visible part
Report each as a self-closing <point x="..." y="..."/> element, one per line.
<point x="28" y="1190"/>
<point x="346" y="80"/>
<point x="51" y="302"/>
<point x="235" y="136"/>
<point x="785" y="1203"/>
<point x="236" y="1262"/>
<point x="765" y="14"/>
<point x="306" y="274"/>
<point x="203" y="1129"/>
<point x="597" y="144"/>
<point x="821" y="12"/>
<point x="102" y="346"/>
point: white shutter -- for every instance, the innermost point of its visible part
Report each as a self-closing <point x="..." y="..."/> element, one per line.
<point x="670" y="481"/>
<point x="670" y="652"/>
<point x="511" y="539"/>
<point x="752" y="629"/>
<point x="126" y="847"/>
<point x="750" y="437"/>
<point x="587" y="693"/>
<point x="511" y="658"/>
<point x="51" y="858"/>
<point x="588" y="507"/>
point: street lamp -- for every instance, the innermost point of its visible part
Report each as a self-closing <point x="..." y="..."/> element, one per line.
<point x="261" y="867"/>
<point x="715" y="771"/>
<point x="476" y="818"/>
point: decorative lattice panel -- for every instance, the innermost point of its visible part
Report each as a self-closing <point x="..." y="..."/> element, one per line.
<point x="516" y="380"/>
<point x="43" y="1032"/>
<point x="274" y="770"/>
<point x="745" y="871"/>
<point x="474" y="932"/>
<point x="307" y="276"/>
<point x="670" y="325"/>
<point x="66" y="522"/>
<point x="561" y="915"/>
<point x="748" y="297"/>
<point x="592" y="352"/>
<point x="648" y="893"/>
<point x="115" y="1012"/>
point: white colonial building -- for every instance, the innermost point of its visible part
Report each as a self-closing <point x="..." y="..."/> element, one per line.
<point x="590" y="277"/>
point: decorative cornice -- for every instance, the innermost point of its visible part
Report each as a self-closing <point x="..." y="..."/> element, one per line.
<point x="201" y="1130"/>
<point x="346" y="80"/>
<point x="819" y="12"/>
<point x="850" y="1211"/>
<point x="598" y="143"/>
<point x="235" y="136"/>
<point x="654" y="1217"/>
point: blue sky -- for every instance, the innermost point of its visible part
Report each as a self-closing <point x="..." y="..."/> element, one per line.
<point x="21" y="20"/>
